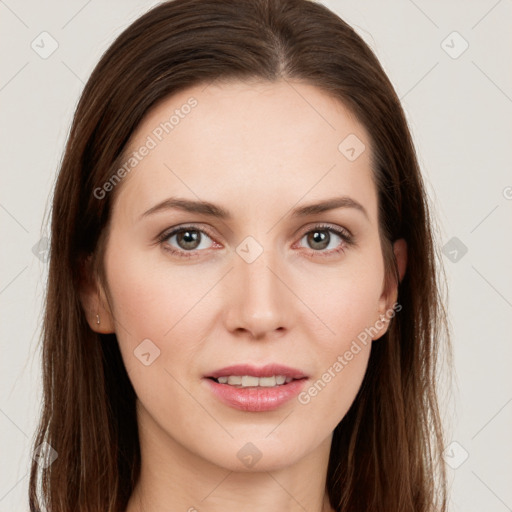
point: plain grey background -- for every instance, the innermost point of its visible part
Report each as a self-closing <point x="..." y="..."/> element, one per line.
<point x="450" y="62"/>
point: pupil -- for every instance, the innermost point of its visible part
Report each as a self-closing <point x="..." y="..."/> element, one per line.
<point x="319" y="237"/>
<point x="188" y="239"/>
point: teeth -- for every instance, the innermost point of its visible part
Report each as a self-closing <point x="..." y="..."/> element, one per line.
<point x="246" y="381"/>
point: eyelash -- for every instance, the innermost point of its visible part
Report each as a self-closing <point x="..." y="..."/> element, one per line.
<point x="344" y="234"/>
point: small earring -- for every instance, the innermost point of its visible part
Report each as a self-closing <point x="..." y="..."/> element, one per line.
<point x="98" y="319"/>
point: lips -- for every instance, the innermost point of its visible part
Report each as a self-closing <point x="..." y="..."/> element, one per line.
<point x="269" y="370"/>
<point x="257" y="399"/>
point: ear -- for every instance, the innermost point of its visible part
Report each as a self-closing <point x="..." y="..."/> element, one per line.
<point x="94" y="300"/>
<point x="390" y="293"/>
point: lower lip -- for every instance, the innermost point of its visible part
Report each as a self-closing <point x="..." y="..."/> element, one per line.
<point x="256" y="399"/>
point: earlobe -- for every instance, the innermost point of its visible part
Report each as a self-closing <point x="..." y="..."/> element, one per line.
<point x="102" y="318"/>
<point x="94" y="303"/>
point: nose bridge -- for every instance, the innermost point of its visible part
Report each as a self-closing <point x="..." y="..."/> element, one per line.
<point x="258" y="302"/>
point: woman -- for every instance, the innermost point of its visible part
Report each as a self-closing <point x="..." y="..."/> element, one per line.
<point x="242" y="310"/>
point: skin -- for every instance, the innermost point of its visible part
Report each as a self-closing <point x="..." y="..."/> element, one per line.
<point x="257" y="149"/>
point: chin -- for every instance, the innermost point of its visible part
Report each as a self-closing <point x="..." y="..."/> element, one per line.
<point x="256" y="455"/>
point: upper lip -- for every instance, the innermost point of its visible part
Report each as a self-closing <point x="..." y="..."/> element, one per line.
<point x="268" y="370"/>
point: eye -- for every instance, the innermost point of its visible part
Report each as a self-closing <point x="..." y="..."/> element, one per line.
<point x="188" y="239"/>
<point x="321" y="237"/>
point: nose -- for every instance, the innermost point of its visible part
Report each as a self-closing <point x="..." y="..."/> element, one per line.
<point x="257" y="300"/>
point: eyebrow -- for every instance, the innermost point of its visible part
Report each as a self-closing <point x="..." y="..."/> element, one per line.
<point x="213" y="210"/>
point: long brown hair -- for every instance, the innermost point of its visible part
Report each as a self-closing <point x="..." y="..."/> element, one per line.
<point x="386" y="451"/>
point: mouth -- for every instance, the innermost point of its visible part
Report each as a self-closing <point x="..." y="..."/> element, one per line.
<point x="248" y="388"/>
<point x="246" y="375"/>
<point x="251" y="381"/>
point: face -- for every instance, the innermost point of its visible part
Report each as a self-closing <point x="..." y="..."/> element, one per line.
<point x="270" y="282"/>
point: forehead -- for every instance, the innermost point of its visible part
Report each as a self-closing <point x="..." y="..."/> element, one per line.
<point x="253" y="142"/>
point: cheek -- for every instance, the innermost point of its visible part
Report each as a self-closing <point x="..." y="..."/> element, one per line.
<point x="347" y="304"/>
<point x="150" y="297"/>
<point x="342" y="356"/>
<point x="345" y="299"/>
<point x="153" y="308"/>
